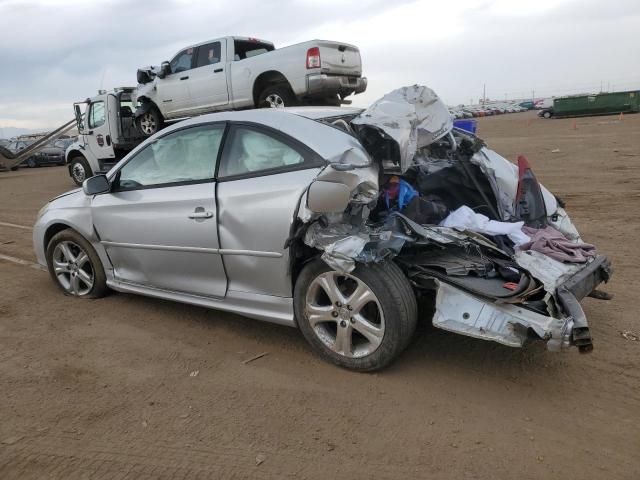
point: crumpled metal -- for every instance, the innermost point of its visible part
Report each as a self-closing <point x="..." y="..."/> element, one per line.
<point x="412" y="116"/>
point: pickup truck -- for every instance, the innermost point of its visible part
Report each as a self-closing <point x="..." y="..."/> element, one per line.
<point x="239" y="72"/>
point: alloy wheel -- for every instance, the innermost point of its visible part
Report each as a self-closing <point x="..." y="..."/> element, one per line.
<point x="148" y="124"/>
<point x="274" y="100"/>
<point x="73" y="268"/>
<point x="78" y="172"/>
<point x="345" y="314"/>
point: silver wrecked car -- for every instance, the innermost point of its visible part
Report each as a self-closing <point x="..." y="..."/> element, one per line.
<point x="334" y="220"/>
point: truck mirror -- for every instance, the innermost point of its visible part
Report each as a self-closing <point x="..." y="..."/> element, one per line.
<point x="79" y="122"/>
<point x="96" y="185"/>
<point x="165" y="69"/>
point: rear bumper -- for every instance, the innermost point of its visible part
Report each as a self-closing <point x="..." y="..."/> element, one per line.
<point x="569" y="294"/>
<point x="319" y="85"/>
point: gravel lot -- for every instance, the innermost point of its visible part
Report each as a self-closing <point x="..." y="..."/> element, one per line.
<point x="131" y="387"/>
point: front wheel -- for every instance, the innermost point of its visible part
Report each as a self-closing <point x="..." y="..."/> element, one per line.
<point x="546" y="114"/>
<point x="276" y="96"/>
<point x="360" y="320"/>
<point x="150" y="122"/>
<point x="75" y="266"/>
<point x="79" y="170"/>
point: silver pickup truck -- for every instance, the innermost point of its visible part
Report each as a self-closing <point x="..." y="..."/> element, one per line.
<point x="239" y="72"/>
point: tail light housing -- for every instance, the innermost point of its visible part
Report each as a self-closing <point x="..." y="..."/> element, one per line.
<point x="313" y="58"/>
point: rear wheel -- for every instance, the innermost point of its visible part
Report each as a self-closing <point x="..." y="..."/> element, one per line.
<point x="79" y="170"/>
<point x="31" y="163"/>
<point x="361" y="320"/>
<point x="75" y="266"/>
<point x="276" y="96"/>
<point x="150" y="122"/>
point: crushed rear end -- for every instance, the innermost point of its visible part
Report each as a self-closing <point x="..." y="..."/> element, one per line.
<point x="493" y="249"/>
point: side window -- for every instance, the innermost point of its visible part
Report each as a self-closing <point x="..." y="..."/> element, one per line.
<point x="208" y="54"/>
<point x="96" y="115"/>
<point x="250" y="151"/>
<point x="182" y="61"/>
<point x="185" y="156"/>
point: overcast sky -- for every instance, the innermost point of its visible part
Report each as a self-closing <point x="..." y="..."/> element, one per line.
<point x="55" y="52"/>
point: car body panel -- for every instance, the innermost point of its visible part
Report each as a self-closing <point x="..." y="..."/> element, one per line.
<point x="254" y="222"/>
<point x="152" y="241"/>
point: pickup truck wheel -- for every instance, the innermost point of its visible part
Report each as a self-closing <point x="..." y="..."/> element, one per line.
<point x="546" y="114"/>
<point x="360" y="320"/>
<point x="75" y="266"/>
<point x="79" y="170"/>
<point x="276" y="96"/>
<point x="150" y="122"/>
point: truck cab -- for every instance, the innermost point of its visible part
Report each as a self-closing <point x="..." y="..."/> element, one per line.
<point x="106" y="133"/>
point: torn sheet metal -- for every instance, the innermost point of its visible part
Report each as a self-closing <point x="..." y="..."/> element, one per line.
<point x="503" y="177"/>
<point x="461" y="312"/>
<point x="413" y="117"/>
<point x="550" y="272"/>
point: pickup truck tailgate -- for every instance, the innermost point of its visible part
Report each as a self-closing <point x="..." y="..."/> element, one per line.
<point x="339" y="58"/>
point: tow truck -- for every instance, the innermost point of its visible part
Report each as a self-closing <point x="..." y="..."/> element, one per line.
<point x="106" y="132"/>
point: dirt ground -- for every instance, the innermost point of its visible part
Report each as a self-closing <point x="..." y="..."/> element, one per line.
<point x="131" y="387"/>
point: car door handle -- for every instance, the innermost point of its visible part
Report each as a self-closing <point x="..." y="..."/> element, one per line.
<point x="184" y="78"/>
<point x="217" y="70"/>
<point x="201" y="214"/>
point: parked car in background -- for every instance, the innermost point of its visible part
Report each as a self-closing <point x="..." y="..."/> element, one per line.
<point x="15" y="146"/>
<point x="238" y="72"/>
<point x="52" y="154"/>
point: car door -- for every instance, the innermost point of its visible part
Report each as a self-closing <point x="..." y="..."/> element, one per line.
<point x="262" y="177"/>
<point x="158" y="224"/>
<point x="207" y="80"/>
<point x="98" y="134"/>
<point x="173" y="93"/>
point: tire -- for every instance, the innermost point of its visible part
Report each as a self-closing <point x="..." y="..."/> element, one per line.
<point x="276" y="96"/>
<point x="546" y="114"/>
<point x="31" y="163"/>
<point x="150" y="122"/>
<point x="389" y="331"/>
<point x="79" y="170"/>
<point x="76" y="261"/>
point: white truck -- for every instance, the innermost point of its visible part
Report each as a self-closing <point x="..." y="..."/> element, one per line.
<point x="106" y="133"/>
<point x="240" y="72"/>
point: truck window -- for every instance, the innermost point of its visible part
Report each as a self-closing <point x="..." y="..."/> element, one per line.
<point x="250" y="48"/>
<point x="182" y="61"/>
<point x="96" y="114"/>
<point x="208" y="54"/>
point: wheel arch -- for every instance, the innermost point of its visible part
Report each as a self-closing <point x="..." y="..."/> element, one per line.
<point x="71" y="154"/>
<point x="265" y="79"/>
<point x="54" y="229"/>
<point x="146" y="104"/>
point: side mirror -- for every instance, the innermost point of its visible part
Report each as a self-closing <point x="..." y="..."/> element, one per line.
<point x="328" y="197"/>
<point x="79" y="121"/>
<point x="96" y="185"/>
<point x="165" y="69"/>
